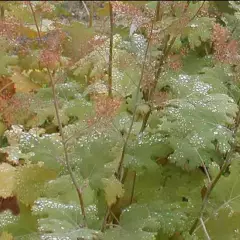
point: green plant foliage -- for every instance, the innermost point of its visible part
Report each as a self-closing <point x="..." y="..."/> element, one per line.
<point x="95" y="160"/>
<point x="5" y="62"/>
<point x="228" y="195"/>
<point x="62" y="189"/>
<point x="198" y="31"/>
<point x="78" y="35"/>
<point x="45" y="150"/>
<point x="223" y="218"/>
<point x="23" y="13"/>
<point x="113" y="190"/>
<point x="30" y="180"/>
<point x="21" y="225"/>
<point x="171" y="194"/>
<point x="78" y="162"/>
<point x="193" y="64"/>
<point x="208" y="113"/>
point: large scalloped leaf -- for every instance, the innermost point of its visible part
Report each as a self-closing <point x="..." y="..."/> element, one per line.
<point x="7" y="180"/>
<point x="193" y="64"/>
<point x="126" y="74"/>
<point x="79" y="108"/>
<point x="208" y="116"/>
<point x="168" y="199"/>
<point x="198" y="31"/>
<point x="168" y="218"/>
<point x="198" y="118"/>
<point x="71" y="104"/>
<point x="63" y="189"/>
<point x="45" y="149"/>
<point x="68" y="90"/>
<point x="23" y="83"/>
<point x="30" y="180"/>
<point x="55" y="209"/>
<point x="92" y="154"/>
<point x="5" y="61"/>
<point x="144" y="150"/>
<point x="59" y="220"/>
<point x="170" y="184"/>
<point x="30" y="61"/>
<point x="113" y="190"/>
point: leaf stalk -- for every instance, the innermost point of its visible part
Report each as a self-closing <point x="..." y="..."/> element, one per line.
<point x="56" y="106"/>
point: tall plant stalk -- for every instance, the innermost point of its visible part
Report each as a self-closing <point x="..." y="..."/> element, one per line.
<point x="167" y="46"/>
<point x="213" y="183"/>
<point x="2" y="12"/>
<point x="158" y="11"/>
<point x="91" y="14"/>
<point x="119" y="172"/>
<point x="110" y="60"/>
<point x="64" y="143"/>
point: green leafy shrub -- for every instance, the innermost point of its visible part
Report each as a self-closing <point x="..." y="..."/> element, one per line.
<point x="122" y="127"/>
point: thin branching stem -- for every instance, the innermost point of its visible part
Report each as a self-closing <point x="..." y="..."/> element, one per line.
<point x="105" y="219"/>
<point x="204" y="167"/>
<point x="204" y="229"/>
<point x="135" y="107"/>
<point x="211" y="185"/>
<point x="56" y="106"/>
<point x="114" y="216"/>
<point x="91" y="14"/>
<point x="215" y="212"/>
<point x="6" y="86"/>
<point x="110" y="60"/>
<point x="158" y="11"/>
<point x="86" y="8"/>
<point x="168" y="43"/>
<point x="198" y="11"/>
<point x="159" y="67"/>
<point x="133" y="186"/>
<point x="2" y="12"/>
<point x="119" y="174"/>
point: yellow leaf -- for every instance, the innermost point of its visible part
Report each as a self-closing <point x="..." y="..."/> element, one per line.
<point x="2" y="128"/>
<point x="4" y="44"/>
<point x="6" y="236"/>
<point x="39" y="77"/>
<point x="102" y="12"/>
<point x="30" y="181"/>
<point x="22" y="83"/>
<point x="113" y="189"/>
<point x="28" y="32"/>
<point x="7" y="180"/>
